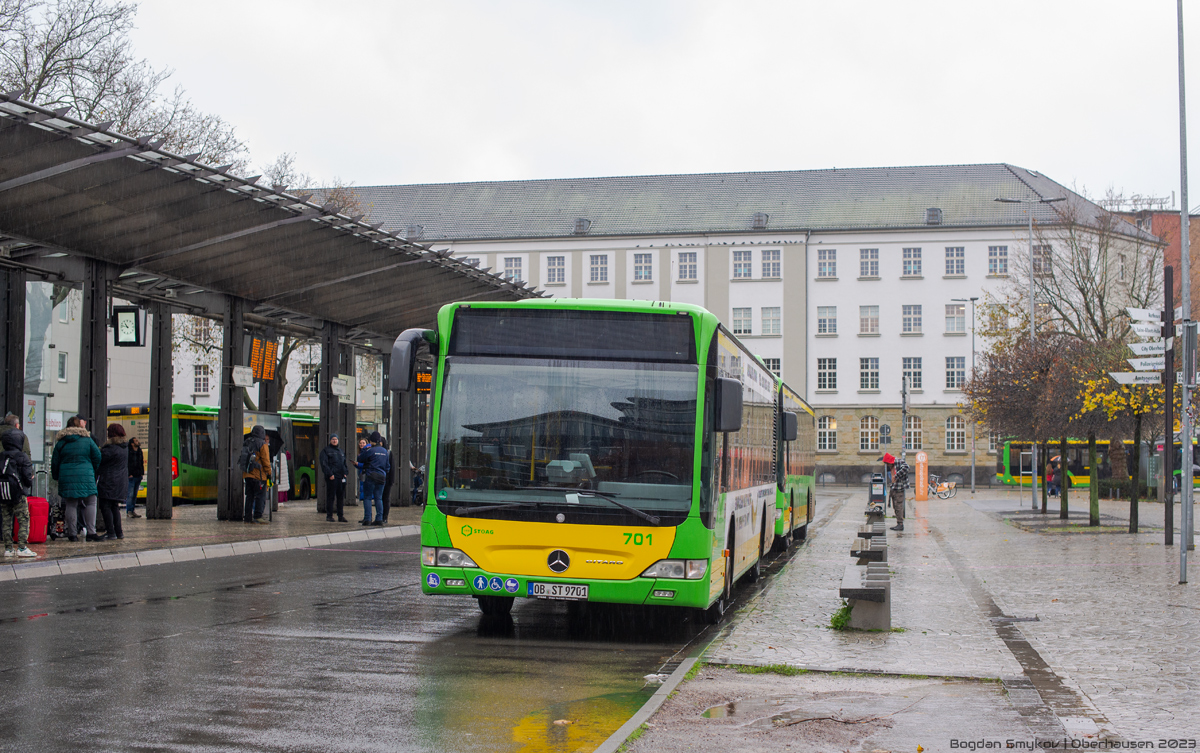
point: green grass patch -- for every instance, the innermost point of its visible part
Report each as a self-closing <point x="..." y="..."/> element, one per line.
<point x="695" y="670"/>
<point x="775" y="669"/>
<point x="841" y="618"/>
<point x="899" y="630"/>
<point x="633" y="736"/>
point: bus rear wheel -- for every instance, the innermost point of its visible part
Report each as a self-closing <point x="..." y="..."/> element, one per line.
<point x="495" y="606"/>
<point x="305" y="490"/>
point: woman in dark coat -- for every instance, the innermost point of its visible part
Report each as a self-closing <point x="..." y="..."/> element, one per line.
<point x="112" y="480"/>
<point x="137" y="469"/>
<point x="74" y="464"/>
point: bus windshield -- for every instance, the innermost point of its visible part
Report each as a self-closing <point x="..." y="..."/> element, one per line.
<point x="523" y="429"/>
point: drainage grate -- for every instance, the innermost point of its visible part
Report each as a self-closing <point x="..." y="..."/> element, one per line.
<point x="1015" y="619"/>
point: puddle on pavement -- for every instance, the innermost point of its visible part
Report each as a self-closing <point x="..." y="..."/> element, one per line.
<point x="576" y="725"/>
<point x="755" y="707"/>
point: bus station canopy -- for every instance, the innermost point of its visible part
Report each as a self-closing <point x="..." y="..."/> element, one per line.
<point x="175" y="230"/>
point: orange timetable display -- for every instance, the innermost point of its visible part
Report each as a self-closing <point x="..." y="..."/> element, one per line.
<point x="264" y="357"/>
<point x="424" y="381"/>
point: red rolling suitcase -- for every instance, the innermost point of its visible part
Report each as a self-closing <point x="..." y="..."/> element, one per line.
<point x="39" y="519"/>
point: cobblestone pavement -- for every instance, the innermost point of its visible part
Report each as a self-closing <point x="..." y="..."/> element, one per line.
<point x="1113" y="624"/>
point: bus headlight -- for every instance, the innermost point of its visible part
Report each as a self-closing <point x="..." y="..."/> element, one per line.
<point x="431" y="556"/>
<point x="689" y="569"/>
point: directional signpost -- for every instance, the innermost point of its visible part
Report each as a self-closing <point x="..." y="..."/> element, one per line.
<point x="1147" y="324"/>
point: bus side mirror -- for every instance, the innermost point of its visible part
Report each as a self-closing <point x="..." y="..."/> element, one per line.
<point x="404" y="358"/>
<point x="728" y="402"/>
<point x="791" y="427"/>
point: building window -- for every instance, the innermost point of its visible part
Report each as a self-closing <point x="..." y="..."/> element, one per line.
<point x="997" y="260"/>
<point x="512" y="268"/>
<point x="912" y="262"/>
<point x="956" y="433"/>
<point x="868" y="373"/>
<point x="1121" y="267"/>
<point x="741" y="264"/>
<point x="868" y="262"/>
<point x="64" y="312"/>
<point x="202" y="330"/>
<point x="310" y="388"/>
<point x="827" y="373"/>
<point x="1041" y="261"/>
<point x="956" y="372"/>
<point x="912" y="372"/>
<point x="993" y="440"/>
<point x="770" y="263"/>
<point x="868" y="320"/>
<point x="913" y="433"/>
<point x="687" y="265"/>
<point x="826" y="262"/>
<point x="868" y="433"/>
<point x="956" y="317"/>
<point x="826" y="320"/>
<point x="772" y="365"/>
<point x="202" y="372"/>
<point x="826" y="433"/>
<point x="956" y="260"/>
<point x="62" y="367"/>
<point x="556" y="269"/>
<point x="643" y="267"/>
<point x="599" y="265"/>
<point x="742" y="321"/>
<point x="770" y="320"/>
<point x="911" y="319"/>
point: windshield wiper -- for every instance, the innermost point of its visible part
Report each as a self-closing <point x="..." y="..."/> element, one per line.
<point x="653" y="519"/>
<point x="460" y="512"/>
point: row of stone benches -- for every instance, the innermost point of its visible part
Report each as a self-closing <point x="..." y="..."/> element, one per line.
<point x="867" y="585"/>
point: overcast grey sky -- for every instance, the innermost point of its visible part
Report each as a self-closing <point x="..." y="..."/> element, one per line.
<point x="392" y="91"/>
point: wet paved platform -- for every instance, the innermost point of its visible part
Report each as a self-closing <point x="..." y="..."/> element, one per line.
<point x="195" y="532"/>
<point x="1089" y="631"/>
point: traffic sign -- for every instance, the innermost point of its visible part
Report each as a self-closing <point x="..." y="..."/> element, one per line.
<point x="1147" y="330"/>
<point x="1157" y="348"/>
<point x="1136" y="377"/>
<point x="885" y="430"/>
<point x="1148" y="364"/>
<point x="1144" y="315"/>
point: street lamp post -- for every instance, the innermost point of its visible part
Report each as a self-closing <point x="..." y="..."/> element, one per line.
<point x="1032" y="315"/>
<point x="974" y="424"/>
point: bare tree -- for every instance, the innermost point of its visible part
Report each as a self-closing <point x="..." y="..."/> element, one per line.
<point x="1089" y="264"/>
<point x="77" y="53"/>
<point x="284" y="173"/>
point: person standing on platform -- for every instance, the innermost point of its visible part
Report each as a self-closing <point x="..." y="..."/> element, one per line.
<point x="13" y="423"/>
<point x="16" y="473"/>
<point x="112" y="480"/>
<point x="374" y="464"/>
<point x="137" y="470"/>
<point x="256" y="472"/>
<point x="74" y="464"/>
<point x="333" y="468"/>
<point x="387" y="485"/>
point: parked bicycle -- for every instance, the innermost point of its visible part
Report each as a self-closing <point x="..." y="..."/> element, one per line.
<point x="943" y="489"/>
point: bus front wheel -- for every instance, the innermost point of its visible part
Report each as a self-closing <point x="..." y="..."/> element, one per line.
<point x="713" y="614"/>
<point x="305" y="490"/>
<point x="495" y="606"/>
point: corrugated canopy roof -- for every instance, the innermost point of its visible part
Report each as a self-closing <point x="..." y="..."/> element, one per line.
<point x="877" y="198"/>
<point x="172" y="224"/>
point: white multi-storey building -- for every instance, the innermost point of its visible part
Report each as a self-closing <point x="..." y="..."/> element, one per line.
<point x="843" y="281"/>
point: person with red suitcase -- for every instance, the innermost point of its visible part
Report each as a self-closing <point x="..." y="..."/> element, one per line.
<point x="16" y="475"/>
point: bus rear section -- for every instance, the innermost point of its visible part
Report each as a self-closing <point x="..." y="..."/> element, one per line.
<point x="574" y="455"/>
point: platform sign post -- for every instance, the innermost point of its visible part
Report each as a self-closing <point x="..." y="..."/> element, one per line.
<point x="921" y="493"/>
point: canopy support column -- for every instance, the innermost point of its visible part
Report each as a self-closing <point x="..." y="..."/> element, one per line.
<point x="12" y="307"/>
<point x="159" y="476"/>
<point x="346" y="415"/>
<point x="93" y="349"/>
<point x="329" y="411"/>
<point x="231" y="493"/>
<point x="406" y="458"/>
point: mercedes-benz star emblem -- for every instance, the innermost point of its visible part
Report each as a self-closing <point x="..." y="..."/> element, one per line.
<point x="558" y="561"/>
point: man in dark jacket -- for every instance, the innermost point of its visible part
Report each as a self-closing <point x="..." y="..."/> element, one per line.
<point x="112" y="480"/>
<point x="257" y="476"/>
<point x="375" y="466"/>
<point x="137" y="469"/>
<point x="20" y="467"/>
<point x="13" y="423"/>
<point x="74" y="464"/>
<point x="333" y="467"/>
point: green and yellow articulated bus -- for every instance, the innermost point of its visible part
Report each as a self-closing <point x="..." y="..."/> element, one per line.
<point x="602" y="451"/>
<point x="194" y="446"/>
